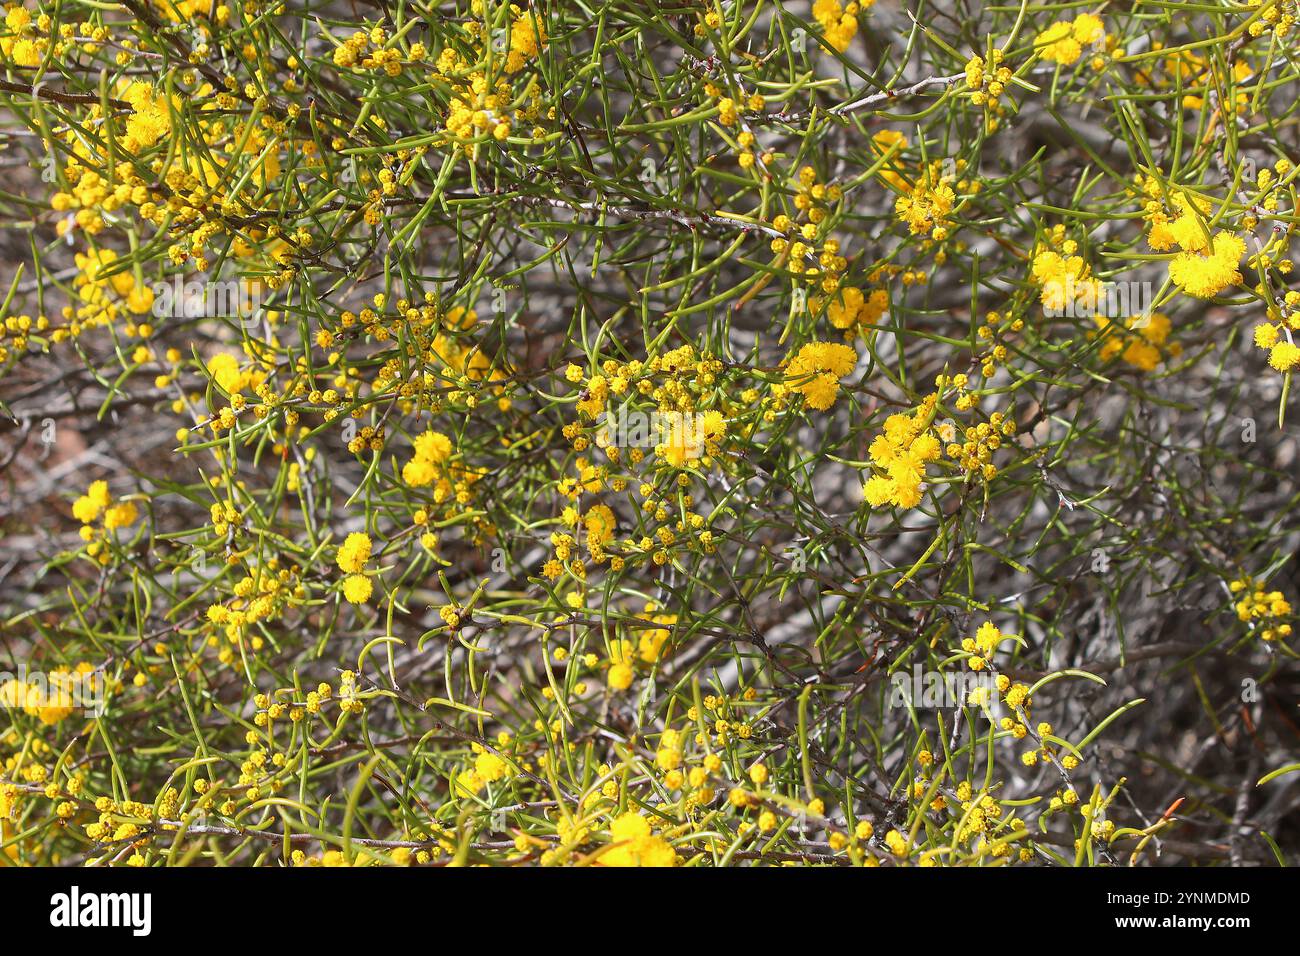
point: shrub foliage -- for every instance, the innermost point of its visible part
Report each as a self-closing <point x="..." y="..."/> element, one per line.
<point x="641" y="433"/>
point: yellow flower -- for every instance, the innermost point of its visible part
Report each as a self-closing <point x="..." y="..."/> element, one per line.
<point x="1205" y="276"/>
<point x="1284" y="356"/>
<point x="925" y="207"/>
<point x="354" y="553"/>
<point x="49" y="705"/>
<point x="27" y="52"/>
<point x="1265" y="335"/>
<point x="120" y="515"/>
<point x="881" y="143"/>
<point x="632" y="844"/>
<point x="224" y="369"/>
<point x="468" y="782"/>
<point x="1063" y="41"/>
<point x="650" y="644"/>
<point x="433" y="446"/>
<point x="816" y="369"/>
<point x="432" y="450"/>
<point x="490" y="767"/>
<point x="357" y="588"/>
<point x="599" y="522"/>
<point x="527" y="39"/>
<point x="901" y="452"/>
<point x="419" y="472"/>
<point x="1088" y="28"/>
<point x="690" y="435"/>
<point x="149" y="121"/>
<point x="88" y="507"/>
<point x="140" y="299"/>
<point x="620" y="676"/>
<point x="839" y="23"/>
<point x="17" y="19"/>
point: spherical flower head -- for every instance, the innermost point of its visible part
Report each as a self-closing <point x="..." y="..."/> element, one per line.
<point x="419" y="472"/>
<point x="468" y="782"/>
<point x="1284" y="356"/>
<point x="224" y="369"/>
<point x="1047" y="264"/>
<point x="878" y="491"/>
<point x="433" y="447"/>
<point x="599" y="522"/>
<point x="526" y="40"/>
<point x="1088" y="28"/>
<point x="908" y="490"/>
<point x="987" y="638"/>
<point x="17" y="19"/>
<point x="1142" y="355"/>
<point x="820" y="391"/>
<point x="620" y="676"/>
<point x="650" y="646"/>
<point x="354" y="552"/>
<point x="845" y="309"/>
<point x="1018" y="695"/>
<point x="89" y="506"/>
<point x="120" y="516"/>
<point x="629" y="826"/>
<point x="49" y="705"/>
<point x="925" y="447"/>
<point x="837" y="359"/>
<point x="26" y="52"/>
<point x="925" y="206"/>
<point x="140" y="299"/>
<point x="1154" y="327"/>
<point x="687" y="436"/>
<point x="1161" y="237"/>
<point x="490" y="767"/>
<point x="150" y="119"/>
<point x="1266" y="335"/>
<point x="357" y="588"/>
<point x="1187" y="230"/>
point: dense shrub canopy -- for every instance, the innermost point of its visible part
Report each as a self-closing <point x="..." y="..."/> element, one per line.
<point x="626" y="433"/>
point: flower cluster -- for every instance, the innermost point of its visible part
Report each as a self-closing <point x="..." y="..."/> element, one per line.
<point x="839" y="21"/>
<point x="552" y="434"/>
<point x="987" y="82"/>
<point x="352" y="557"/>
<point x="899" y="455"/>
<point x="815" y="372"/>
<point x="99" y="515"/>
<point x="1064" y="41"/>
<point x="1267" y="612"/>
<point x="1140" y="340"/>
<point x="926" y="205"/>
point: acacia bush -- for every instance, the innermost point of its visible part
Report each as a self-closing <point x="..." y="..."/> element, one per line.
<point x="638" y="433"/>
